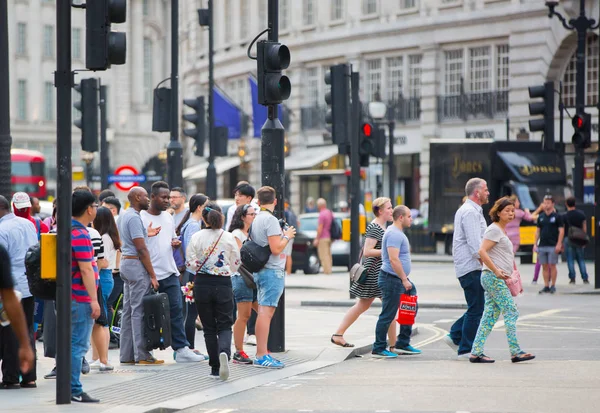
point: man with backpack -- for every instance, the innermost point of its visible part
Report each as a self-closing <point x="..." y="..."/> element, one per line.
<point x="324" y="235"/>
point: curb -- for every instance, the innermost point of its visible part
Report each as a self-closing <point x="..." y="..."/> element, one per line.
<point x="350" y="303"/>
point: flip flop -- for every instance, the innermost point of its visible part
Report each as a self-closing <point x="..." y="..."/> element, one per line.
<point x="10" y="386"/>
<point x="340" y="344"/>
<point x="522" y="356"/>
<point x="31" y="385"/>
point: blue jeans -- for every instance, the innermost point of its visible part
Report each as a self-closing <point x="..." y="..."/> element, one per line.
<point x="463" y="331"/>
<point x="81" y="330"/>
<point x="575" y="252"/>
<point x="107" y="283"/>
<point x="391" y="290"/>
<point x="172" y="288"/>
<point x="270" y="284"/>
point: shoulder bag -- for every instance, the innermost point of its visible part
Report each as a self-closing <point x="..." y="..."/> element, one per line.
<point x="514" y="283"/>
<point x="577" y="235"/>
<point x="358" y="273"/>
<point x="254" y="257"/>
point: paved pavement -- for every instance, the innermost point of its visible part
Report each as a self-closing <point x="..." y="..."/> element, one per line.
<point x="308" y="329"/>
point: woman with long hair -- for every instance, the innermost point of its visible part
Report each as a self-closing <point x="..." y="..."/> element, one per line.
<point x="190" y="224"/>
<point x="214" y="256"/>
<point x="244" y="296"/>
<point x="498" y="258"/>
<point x="367" y="292"/>
<point x="105" y="224"/>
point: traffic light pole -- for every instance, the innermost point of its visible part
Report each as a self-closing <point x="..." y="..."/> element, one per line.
<point x="355" y="168"/>
<point x="63" y="81"/>
<point x="104" y="165"/>
<point x="174" y="148"/>
<point x="5" y="138"/>
<point x="211" y="172"/>
<point x="273" y="175"/>
<point x="391" y="161"/>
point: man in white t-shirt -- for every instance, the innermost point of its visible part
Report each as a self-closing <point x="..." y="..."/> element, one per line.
<point x="161" y="255"/>
<point x="243" y="195"/>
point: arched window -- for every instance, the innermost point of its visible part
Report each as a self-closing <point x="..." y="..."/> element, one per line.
<point x="592" y="71"/>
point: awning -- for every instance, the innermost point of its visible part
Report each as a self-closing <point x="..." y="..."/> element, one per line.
<point x="309" y="157"/>
<point x="531" y="167"/>
<point x="222" y="165"/>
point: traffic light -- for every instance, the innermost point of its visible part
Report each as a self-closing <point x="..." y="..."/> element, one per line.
<point x="103" y="47"/>
<point x="198" y="118"/>
<point x="271" y="59"/>
<point x="366" y="142"/>
<point x="378" y="143"/>
<point x="88" y="106"/>
<point x="582" y="124"/>
<point x="338" y="102"/>
<point x="545" y="108"/>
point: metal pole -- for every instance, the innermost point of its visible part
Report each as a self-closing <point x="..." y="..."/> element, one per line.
<point x="63" y="81"/>
<point x="211" y="172"/>
<point x="561" y="108"/>
<point x="88" y="174"/>
<point x="104" y="164"/>
<point x="355" y="169"/>
<point x="5" y="138"/>
<point x="391" y="161"/>
<point x="174" y="149"/>
<point x="273" y="175"/>
<point x="580" y="100"/>
<point x="596" y="219"/>
<point x="507" y="129"/>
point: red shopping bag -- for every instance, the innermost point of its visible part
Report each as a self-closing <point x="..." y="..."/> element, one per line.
<point x="407" y="310"/>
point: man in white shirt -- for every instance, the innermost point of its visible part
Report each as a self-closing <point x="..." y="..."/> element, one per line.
<point x="177" y="199"/>
<point x="469" y="227"/>
<point x="243" y="195"/>
<point x="161" y="255"/>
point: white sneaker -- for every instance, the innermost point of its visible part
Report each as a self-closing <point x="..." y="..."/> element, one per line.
<point x="106" y="367"/>
<point x="185" y="355"/>
<point x="95" y="364"/>
<point x="448" y="340"/>
<point x="224" y="366"/>
<point x="250" y="340"/>
<point x="463" y="357"/>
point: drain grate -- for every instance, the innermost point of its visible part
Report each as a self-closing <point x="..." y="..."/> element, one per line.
<point x="151" y="389"/>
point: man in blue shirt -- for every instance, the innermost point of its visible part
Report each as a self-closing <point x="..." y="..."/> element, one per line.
<point x="393" y="282"/>
<point x="17" y="235"/>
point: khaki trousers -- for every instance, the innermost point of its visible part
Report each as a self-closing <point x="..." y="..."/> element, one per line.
<point x="324" y="252"/>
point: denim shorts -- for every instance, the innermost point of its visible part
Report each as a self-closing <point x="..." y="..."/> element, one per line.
<point x="270" y="283"/>
<point x="241" y="292"/>
<point x="107" y="283"/>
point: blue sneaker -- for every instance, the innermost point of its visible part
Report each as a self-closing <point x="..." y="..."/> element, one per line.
<point x="385" y="354"/>
<point x="407" y="350"/>
<point x="268" y="362"/>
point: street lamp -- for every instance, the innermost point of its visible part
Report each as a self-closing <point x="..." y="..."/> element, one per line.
<point x="378" y="110"/>
<point x="88" y="158"/>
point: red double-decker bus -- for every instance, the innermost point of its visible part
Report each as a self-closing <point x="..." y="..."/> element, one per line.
<point x="28" y="172"/>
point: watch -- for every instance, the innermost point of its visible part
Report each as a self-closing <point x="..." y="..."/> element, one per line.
<point x="286" y="237"/>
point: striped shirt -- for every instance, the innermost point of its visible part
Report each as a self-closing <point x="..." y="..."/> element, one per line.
<point x="81" y="251"/>
<point x="97" y="243"/>
<point x="469" y="227"/>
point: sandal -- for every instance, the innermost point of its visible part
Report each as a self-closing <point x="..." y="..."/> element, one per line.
<point x="30" y="385"/>
<point x="522" y="356"/>
<point x="345" y="344"/>
<point x="10" y="386"/>
<point x="481" y="359"/>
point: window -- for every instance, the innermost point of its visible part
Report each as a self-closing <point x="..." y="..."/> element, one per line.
<point x="312" y="87"/>
<point x="337" y="10"/>
<point x="479" y="70"/>
<point x="148" y="72"/>
<point x="22" y="39"/>
<point x="227" y="9"/>
<point x="244" y="18"/>
<point x="394" y="78"/>
<point x="22" y="100"/>
<point x="454" y="72"/>
<point x="592" y="71"/>
<point x="308" y="12"/>
<point x="369" y="7"/>
<point x="414" y="76"/>
<point x="373" y="79"/>
<point x="48" y="41"/>
<point x="48" y="101"/>
<point x="502" y="67"/>
<point x="76" y="41"/>
<point x="146" y="7"/>
<point x="284" y="14"/>
<point x="408" y="4"/>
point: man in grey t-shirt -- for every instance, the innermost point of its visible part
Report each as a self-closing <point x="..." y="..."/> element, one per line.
<point x="138" y="275"/>
<point x="269" y="280"/>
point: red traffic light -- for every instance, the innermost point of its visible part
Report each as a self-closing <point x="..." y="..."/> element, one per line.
<point x="367" y="129"/>
<point x="577" y="122"/>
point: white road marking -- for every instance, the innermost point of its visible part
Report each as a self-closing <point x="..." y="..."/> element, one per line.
<point x="305" y="410"/>
<point x="444" y="320"/>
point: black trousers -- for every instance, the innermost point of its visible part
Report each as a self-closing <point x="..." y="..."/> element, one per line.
<point x="214" y="300"/>
<point x="190" y="312"/>
<point x="9" y="348"/>
<point x="113" y="298"/>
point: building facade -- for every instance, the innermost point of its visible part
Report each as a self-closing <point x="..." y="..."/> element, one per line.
<point x="32" y="44"/>
<point x="445" y="68"/>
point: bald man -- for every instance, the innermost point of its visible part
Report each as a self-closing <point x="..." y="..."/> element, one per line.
<point x="138" y="276"/>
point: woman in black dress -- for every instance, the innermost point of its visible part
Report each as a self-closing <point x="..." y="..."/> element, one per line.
<point x="366" y="293"/>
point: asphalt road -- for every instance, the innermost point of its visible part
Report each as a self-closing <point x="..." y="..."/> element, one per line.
<point x="562" y="330"/>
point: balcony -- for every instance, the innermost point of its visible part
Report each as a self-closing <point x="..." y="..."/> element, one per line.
<point x="473" y="105"/>
<point x="404" y="109"/>
<point x="312" y="117"/>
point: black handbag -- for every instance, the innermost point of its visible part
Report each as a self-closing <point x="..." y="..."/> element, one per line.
<point x="247" y="277"/>
<point x="254" y="257"/>
<point x="577" y="235"/>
